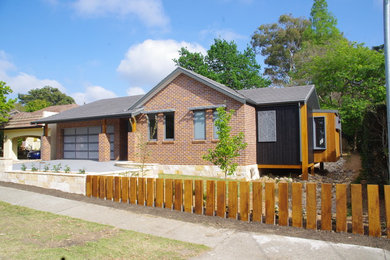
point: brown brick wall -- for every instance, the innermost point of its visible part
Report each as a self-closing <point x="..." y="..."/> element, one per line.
<point x="60" y="134"/>
<point x="181" y="94"/>
<point x="104" y="147"/>
<point x="45" y="148"/>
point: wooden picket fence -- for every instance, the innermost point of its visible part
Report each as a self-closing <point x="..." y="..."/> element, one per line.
<point x="244" y="201"/>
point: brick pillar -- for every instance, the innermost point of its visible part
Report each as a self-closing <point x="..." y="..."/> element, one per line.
<point x="104" y="147"/>
<point x="132" y="146"/>
<point x="45" y="148"/>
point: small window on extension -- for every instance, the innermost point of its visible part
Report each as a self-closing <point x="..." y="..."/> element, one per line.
<point x="266" y="121"/>
<point x="319" y="133"/>
<point x="169" y="119"/>
<point x="152" y="126"/>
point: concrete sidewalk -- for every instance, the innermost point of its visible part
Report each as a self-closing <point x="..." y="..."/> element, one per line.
<point x="225" y="243"/>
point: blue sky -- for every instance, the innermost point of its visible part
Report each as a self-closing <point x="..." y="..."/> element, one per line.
<point x="94" y="49"/>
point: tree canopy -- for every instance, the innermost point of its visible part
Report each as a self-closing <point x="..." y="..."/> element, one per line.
<point x="224" y="63"/>
<point x="279" y="42"/>
<point x="6" y="104"/>
<point x="40" y="98"/>
<point x="323" y="23"/>
<point x="348" y="77"/>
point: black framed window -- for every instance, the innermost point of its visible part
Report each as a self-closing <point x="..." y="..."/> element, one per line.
<point x="169" y="119"/>
<point x="152" y="126"/>
<point x="319" y="129"/>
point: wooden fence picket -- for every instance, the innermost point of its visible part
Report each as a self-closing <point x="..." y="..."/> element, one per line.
<point x="311" y="206"/>
<point x="244" y="200"/>
<point x="221" y="199"/>
<point x="210" y="198"/>
<point x="102" y="187"/>
<point x="357" y="209"/>
<point x="150" y="192"/>
<point x="95" y="186"/>
<point x="283" y="203"/>
<point x="133" y="190"/>
<point x="374" y="224"/>
<point x="341" y="208"/>
<point x="199" y="197"/>
<point x="117" y="188"/>
<point x="270" y="203"/>
<point x="188" y="189"/>
<point x="159" y="193"/>
<point x="88" y="188"/>
<point x="326" y="206"/>
<point x="296" y="190"/>
<point x="125" y="189"/>
<point x="168" y="193"/>
<point x="109" y="187"/>
<point x="233" y="199"/>
<point x="178" y="195"/>
<point x="257" y="191"/>
<point x="387" y="208"/>
<point x="141" y="191"/>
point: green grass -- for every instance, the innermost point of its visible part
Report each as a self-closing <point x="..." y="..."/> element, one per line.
<point x="31" y="234"/>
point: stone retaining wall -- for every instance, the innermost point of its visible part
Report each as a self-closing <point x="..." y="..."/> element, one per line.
<point x="66" y="182"/>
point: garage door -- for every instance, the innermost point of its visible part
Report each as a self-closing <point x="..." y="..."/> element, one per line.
<point x="83" y="142"/>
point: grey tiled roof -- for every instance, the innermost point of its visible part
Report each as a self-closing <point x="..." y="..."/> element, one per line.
<point x="112" y="107"/>
<point x="263" y="96"/>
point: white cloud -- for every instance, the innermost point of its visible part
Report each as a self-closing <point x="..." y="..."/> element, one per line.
<point x="150" y="12"/>
<point x="147" y="63"/>
<point x="225" y="34"/>
<point x="133" y="91"/>
<point x="21" y="82"/>
<point x="92" y="93"/>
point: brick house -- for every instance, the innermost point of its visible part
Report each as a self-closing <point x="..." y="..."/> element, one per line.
<point x="176" y="117"/>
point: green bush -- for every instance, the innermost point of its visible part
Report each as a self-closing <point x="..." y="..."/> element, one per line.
<point x="373" y="149"/>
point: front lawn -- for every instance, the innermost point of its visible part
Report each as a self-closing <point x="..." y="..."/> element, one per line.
<point x="30" y="234"/>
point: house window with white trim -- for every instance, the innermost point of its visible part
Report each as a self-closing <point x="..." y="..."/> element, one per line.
<point x="319" y="131"/>
<point x="199" y="125"/>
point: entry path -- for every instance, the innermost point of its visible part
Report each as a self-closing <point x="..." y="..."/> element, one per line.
<point x="225" y="243"/>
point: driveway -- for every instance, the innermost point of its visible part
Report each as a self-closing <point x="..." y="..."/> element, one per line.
<point x="89" y="166"/>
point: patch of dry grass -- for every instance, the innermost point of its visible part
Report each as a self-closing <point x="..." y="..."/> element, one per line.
<point x="31" y="234"/>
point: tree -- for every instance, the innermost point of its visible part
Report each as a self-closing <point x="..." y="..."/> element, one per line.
<point x="47" y="96"/>
<point x="323" y="24"/>
<point x="36" y="104"/>
<point x="348" y="77"/>
<point x="279" y="42"/>
<point x="225" y="64"/>
<point x="6" y="104"/>
<point x="228" y="146"/>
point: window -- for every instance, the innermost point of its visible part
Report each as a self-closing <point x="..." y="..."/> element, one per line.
<point x="152" y="126"/>
<point x="266" y="121"/>
<point x="215" y="134"/>
<point x="199" y="125"/>
<point x="169" y="119"/>
<point x="319" y="132"/>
